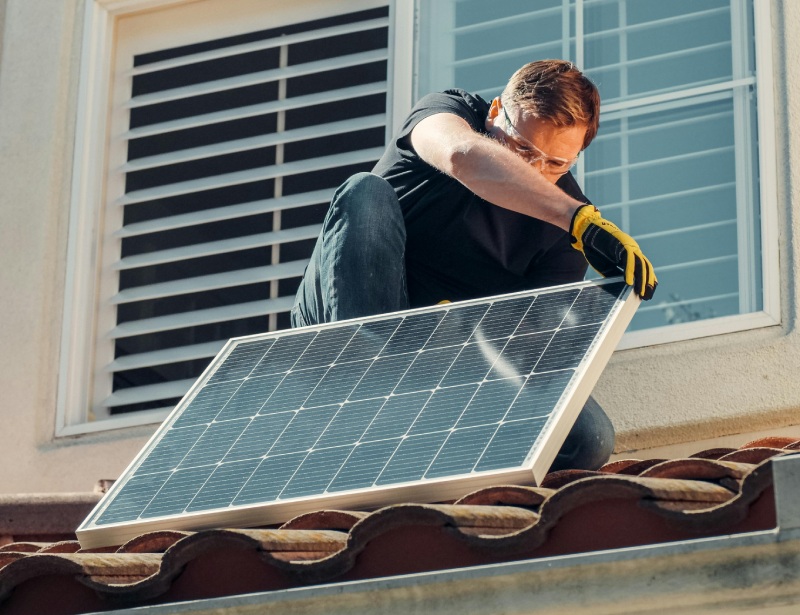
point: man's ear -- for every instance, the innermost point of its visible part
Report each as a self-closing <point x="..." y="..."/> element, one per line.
<point x="494" y="110"/>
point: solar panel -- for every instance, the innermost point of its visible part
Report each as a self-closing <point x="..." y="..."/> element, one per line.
<point x="421" y="405"/>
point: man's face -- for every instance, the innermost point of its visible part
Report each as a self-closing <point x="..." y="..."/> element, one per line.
<point x="550" y="149"/>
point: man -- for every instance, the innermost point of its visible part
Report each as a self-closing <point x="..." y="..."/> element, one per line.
<point x="474" y="199"/>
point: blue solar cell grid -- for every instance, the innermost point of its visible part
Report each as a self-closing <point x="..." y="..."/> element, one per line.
<point x="412" y="396"/>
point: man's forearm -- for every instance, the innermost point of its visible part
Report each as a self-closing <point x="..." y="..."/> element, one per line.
<point x="490" y="170"/>
<point x="500" y="177"/>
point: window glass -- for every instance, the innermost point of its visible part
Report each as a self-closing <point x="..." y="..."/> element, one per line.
<point x="675" y="161"/>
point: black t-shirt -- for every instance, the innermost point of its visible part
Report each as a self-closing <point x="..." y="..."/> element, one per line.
<point x="458" y="245"/>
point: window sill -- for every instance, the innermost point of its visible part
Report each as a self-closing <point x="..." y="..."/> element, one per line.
<point x="696" y="330"/>
<point x="134" y="419"/>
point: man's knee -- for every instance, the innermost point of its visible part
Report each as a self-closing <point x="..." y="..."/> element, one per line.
<point x="590" y="442"/>
<point x="368" y="201"/>
<point x="364" y="183"/>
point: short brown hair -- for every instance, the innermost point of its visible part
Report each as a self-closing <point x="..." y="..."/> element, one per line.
<point x="555" y="91"/>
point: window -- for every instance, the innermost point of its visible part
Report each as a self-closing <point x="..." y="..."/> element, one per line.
<point x="212" y="134"/>
<point x="230" y="126"/>
<point x="676" y="162"/>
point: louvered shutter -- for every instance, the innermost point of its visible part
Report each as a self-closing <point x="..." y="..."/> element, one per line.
<point x="675" y="162"/>
<point x="233" y="148"/>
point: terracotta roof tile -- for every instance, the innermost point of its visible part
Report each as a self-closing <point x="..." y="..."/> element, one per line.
<point x="44" y="515"/>
<point x="64" y="546"/>
<point x="626" y="503"/>
<point x="508" y="495"/>
<point x="753" y="454"/>
<point x="152" y="542"/>
<point x="7" y="557"/>
<point x="712" y="453"/>
<point x="771" y="442"/>
<point x="698" y="469"/>
<point x="633" y="467"/>
<point x="560" y="478"/>
<point x="325" y="520"/>
<point x="23" y="547"/>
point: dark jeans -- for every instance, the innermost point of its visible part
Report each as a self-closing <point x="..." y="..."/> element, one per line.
<point x="358" y="269"/>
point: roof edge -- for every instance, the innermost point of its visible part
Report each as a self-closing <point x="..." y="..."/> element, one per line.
<point x="714" y="573"/>
<point x="786" y="478"/>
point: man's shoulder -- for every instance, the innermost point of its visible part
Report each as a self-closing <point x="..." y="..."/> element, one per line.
<point x="455" y="99"/>
<point x="470" y="97"/>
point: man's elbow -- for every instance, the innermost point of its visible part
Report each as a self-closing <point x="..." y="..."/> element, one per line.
<point x="451" y="149"/>
<point x="460" y="159"/>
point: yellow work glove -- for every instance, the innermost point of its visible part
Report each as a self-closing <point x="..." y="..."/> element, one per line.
<point x="610" y="251"/>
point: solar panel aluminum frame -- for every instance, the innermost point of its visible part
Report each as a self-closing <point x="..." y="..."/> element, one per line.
<point x="440" y="489"/>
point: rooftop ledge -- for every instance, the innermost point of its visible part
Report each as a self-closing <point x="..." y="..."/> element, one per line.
<point x="718" y="531"/>
<point x="752" y="572"/>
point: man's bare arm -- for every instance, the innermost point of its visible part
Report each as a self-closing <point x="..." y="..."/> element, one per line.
<point x="494" y="173"/>
<point x="490" y="170"/>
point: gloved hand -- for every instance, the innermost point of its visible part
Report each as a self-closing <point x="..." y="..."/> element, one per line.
<point x="610" y="251"/>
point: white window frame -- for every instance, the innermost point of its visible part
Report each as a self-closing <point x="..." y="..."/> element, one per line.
<point x="87" y="251"/>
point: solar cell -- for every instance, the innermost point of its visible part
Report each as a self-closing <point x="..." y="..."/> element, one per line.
<point x="425" y="405"/>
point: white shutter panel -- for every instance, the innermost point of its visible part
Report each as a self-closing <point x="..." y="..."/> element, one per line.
<point x="234" y="148"/>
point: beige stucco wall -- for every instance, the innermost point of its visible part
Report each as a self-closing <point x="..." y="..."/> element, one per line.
<point x="736" y="383"/>
<point x="39" y="72"/>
